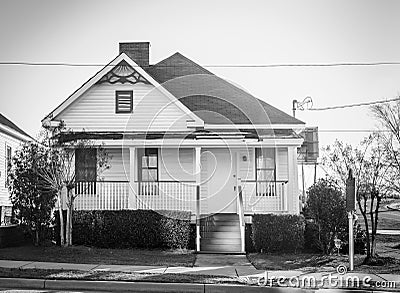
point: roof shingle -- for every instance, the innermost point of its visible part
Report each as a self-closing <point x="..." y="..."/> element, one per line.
<point x="8" y="123"/>
<point x="212" y="98"/>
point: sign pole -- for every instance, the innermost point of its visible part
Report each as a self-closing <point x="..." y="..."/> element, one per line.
<point x="351" y="241"/>
<point x="350" y="207"/>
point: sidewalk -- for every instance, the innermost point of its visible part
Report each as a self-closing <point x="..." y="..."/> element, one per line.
<point x="206" y="264"/>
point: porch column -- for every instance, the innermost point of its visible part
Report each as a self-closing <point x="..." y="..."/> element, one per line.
<point x="132" y="185"/>
<point x="292" y="198"/>
<point x="198" y="179"/>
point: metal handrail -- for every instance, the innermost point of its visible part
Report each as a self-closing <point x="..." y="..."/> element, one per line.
<point x="198" y="236"/>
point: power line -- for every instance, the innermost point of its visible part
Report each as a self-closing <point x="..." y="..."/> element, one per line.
<point x="65" y="64"/>
<point x="352" y="130"/>
<point x="354" y="105"/>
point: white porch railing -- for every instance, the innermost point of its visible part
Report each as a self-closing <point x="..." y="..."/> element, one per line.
<point x="264" y="196"/>
<point x="103" y="195"/>
<point x="166" y="195"/>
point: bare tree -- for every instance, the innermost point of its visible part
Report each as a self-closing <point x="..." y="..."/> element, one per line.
<point x="388" y="114"/>
<point x="370" y="168"/>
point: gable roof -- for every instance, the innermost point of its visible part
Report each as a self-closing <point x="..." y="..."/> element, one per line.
<point x="212" y="98"/>
<point x="205" y="97"/>
<point x="105" y="70"/>
<point x="4" y="121"/>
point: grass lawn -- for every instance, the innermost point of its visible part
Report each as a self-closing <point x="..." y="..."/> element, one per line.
<point x="82" y="254"/>
<point x="114" y="276"/>
<point x="388" y="219"/>
<point x="388" y="246"/>
<point x="307" y="262"/>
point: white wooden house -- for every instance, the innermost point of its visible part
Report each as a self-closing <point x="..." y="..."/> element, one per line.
<point x="182" y="138"/>
<point x="11" y="136"/>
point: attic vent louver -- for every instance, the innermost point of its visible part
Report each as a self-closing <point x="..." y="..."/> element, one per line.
<point x="123" y="101"/>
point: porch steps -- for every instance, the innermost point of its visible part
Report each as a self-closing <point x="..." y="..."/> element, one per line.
<point x="221" y="233"/>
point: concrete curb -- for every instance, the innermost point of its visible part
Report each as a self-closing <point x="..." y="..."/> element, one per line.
<point x="22" y="283"/>
<point x="97" y="286"/>
<point x="121" y="286"/>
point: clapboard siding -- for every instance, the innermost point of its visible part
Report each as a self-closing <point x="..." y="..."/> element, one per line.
<point x="5" y="140"/>
<point x="95" y="110"/>
<point x="282" y="169"/>
<point x="119" y="165"/>
<point x="176" y="164"/>
<point x="246" y="168"/>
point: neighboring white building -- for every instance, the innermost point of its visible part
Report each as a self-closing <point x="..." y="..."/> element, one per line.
<point x="11" y="136"/>
<point x="182" y="138"/>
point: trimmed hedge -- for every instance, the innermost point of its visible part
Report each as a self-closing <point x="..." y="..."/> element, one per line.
<point x="130" y="228"/>
<point x="248" y="235"/>
<point x="278" y="233"/>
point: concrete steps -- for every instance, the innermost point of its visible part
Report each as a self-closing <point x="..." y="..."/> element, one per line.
<point x="222" y="235"/>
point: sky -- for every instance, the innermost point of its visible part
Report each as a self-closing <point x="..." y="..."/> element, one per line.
<point x="209" y="33"/>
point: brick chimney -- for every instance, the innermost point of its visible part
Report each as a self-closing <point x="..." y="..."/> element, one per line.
<point x="137" y="51"/>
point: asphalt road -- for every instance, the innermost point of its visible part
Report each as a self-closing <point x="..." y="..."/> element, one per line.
<point x="3" y="290"/>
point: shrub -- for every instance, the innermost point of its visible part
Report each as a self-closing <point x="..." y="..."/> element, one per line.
<point x="278" y="233"/>
<point x="327" y="208"/>
<point x="248" y="234"/>
<point x="31" y="196"/>
<point x="311" y="243"/>
<point x="131" y="228"/>
<point x="175" y="229"/>
<point x="311" y="237"/>
<point x="192" y="237"/>
<point x="360" y="241"/>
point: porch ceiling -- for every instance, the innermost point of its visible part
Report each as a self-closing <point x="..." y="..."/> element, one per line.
<point x="198" y="134"/>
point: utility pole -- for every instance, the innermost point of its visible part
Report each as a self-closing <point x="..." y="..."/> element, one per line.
<point x="296" y="105"/>
<point x="294" y="108"/>
<point x="300" y="105"/>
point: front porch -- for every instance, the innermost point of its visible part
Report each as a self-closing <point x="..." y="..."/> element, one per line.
<point x="221" y="187"/>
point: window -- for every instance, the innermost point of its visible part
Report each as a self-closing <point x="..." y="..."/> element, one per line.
<point x="148" y="164"/>
<point x="123" y="101"/>
<point x="8" y="163"/>
<point x="265" y="164"/>
<point x="86" y="165"/>
<point x="265" y="171"/>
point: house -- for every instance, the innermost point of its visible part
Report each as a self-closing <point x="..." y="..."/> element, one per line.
<point x="182" y="138"/>
<point x="11" y="136"/>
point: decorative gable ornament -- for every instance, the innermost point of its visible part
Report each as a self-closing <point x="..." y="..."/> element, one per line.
<point x="123" y="73"/>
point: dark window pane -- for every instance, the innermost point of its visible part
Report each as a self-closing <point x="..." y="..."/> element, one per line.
<point x="86" y="164"/>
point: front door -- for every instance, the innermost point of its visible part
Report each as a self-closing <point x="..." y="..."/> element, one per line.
<point x="221" y="180"/>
